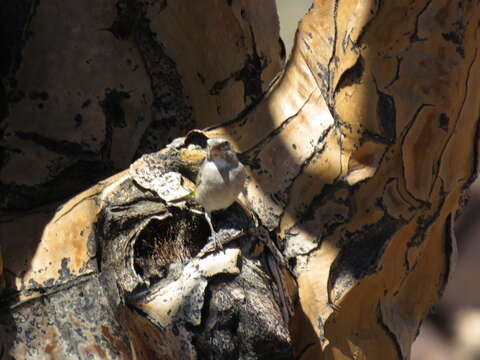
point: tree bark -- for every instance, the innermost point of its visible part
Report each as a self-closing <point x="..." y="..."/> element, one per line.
<point x="359" y="155"/>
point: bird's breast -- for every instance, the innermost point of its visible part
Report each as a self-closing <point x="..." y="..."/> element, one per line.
<point x="219" y="185"/>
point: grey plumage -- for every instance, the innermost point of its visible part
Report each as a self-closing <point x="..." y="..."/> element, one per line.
<point x="220" y="179"/>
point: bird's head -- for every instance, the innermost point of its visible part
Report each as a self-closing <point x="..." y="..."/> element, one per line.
<point x="220" y="149"/>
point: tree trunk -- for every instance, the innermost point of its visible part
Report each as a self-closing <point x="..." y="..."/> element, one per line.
<point x="358" y="153"/>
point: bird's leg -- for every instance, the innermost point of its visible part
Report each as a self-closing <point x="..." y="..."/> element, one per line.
<point x="209" y="220"/>
<point x="214" y="233"/>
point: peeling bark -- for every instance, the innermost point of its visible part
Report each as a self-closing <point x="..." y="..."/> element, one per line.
<point x="135" y="246"/>
<point x="365" y="214"/>
<point x="359" y="154"/>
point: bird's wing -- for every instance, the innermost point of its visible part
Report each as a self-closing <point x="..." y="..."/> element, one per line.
<point x="198" y="180"/>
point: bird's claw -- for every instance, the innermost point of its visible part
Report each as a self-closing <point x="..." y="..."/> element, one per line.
<point x="216" y="239"/>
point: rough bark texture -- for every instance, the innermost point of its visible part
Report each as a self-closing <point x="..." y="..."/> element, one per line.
<point x="87" y="86"/>
<point x="358" y="155"/>
<point x="363" y="168"/>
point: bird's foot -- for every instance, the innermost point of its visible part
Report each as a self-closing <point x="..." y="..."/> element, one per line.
<point x="218" y="239"/>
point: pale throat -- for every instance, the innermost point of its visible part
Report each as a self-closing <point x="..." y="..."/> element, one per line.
<point x="221" y="163"/>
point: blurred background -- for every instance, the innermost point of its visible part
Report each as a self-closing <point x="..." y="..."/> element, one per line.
<point x="452" y="330"/>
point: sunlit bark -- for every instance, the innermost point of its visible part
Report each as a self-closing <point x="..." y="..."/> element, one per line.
<point x="359" y="154"/>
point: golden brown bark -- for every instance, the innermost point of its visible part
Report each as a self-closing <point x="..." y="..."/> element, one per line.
<point x="361" y="168"/>
<point x="105" y="81"/>
<point x="359" y="155"/>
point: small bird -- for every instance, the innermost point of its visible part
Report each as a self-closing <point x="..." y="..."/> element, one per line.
<point x="220" y="179"/>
